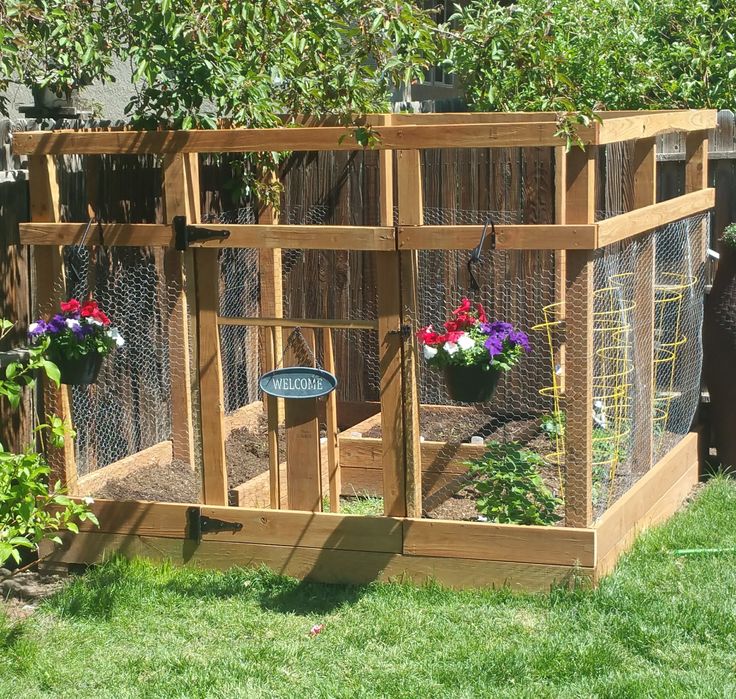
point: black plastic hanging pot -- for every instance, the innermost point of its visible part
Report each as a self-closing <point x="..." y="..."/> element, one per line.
<point x="471" y="384"/>
<point x="79" y="371"/>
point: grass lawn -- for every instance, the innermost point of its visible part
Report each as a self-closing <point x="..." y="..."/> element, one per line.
<point x="661" y="626"/>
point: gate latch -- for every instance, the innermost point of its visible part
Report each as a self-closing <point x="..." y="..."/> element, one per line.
<point x="185" y="234"/>
<point x="202" y="524"/>
<point x="404" y="331"/>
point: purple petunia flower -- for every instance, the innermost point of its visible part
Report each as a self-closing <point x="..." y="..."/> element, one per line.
<point x="57" y="324"/>
<point x="520" y="338"/>
<point x="494" y="345"/>
<point x="35" y="330"/>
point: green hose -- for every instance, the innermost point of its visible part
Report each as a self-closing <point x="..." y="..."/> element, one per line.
<point x="698" y="552"/>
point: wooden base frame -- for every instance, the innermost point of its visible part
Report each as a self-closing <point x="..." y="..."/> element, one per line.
<point x="355" y="549"/>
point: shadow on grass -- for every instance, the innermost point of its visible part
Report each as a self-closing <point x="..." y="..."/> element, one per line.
<point x="122" y="585"/>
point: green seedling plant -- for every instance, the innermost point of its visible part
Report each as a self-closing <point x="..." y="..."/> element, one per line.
<point x="32" y="508"/>
<point x="510" y="486"/>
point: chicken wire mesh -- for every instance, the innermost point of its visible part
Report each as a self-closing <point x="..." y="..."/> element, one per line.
<point x="129" y="408"/>
<point x="636" y="386"/>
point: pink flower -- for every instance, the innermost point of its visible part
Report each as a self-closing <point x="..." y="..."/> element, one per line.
<point x="316" y="629"/>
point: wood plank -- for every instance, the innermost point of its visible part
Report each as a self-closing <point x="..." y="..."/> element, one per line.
<point x="302" y="237"/>
<point x="579" y="208"/>
<point x="391" y="454"/>
<point x="274" y="410"/>
<point x="664" y="508"/>
<point x="299" y="323"/>
<point x="211" y="399"/>
<point x="50" y="287"/>
<point x="411" y="213"/>
<point x="333" y="446"/>
<point x="444" y="457"/>
<point x="256" y="235"/>
<point x="648" y="218"/>
<point x="177" y="203"/>
<point x="320" y="565"/>
<point x="647" y="125"/>
<point x="499" y="542"/>
<point x="323" y="530"/>
<point x="521" y="237"/>
<point x="645" y="194"/>
<point x="624" y="514"/>
<point x="322" y="138"/>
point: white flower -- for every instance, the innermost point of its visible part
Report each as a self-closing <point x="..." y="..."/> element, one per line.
<point x="450" y="347"/>
<point x="465" y="342"/>
<point x="429" y="352"/>
<point x="72" y="324"/>
<point x="94" y="321"/>
<point x="114" y="333"/>
<point x="87" y="500"/>
<point x="33" y="327"/>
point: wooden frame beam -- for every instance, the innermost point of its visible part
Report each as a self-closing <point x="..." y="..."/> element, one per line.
<point x="508" y="237"/>
<point x="299" y="323"/>
<point x="648" y="218"/>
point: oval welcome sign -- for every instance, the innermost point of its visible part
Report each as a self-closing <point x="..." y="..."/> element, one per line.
<point x="298" y="382"/>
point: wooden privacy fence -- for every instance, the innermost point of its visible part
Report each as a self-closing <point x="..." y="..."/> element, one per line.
<point x="332" y="546"/>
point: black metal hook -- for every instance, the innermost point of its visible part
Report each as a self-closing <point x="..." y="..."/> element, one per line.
<point x="477" y="253"/>
<point x="185" y="234"/>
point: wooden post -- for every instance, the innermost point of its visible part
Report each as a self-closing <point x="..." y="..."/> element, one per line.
<point x="176" y="201"/>
<point x="271" y="294"/>
<point x="211" y="398"/>
<point x="696" y="178"/>
<point x="272" y="409"/>
<point x="579" y="208"/>
<point x="411" y="213"/>
<point x="333" y="445"/>
<point x="303" y="453"/>
<point x="645" y="193"/>
<point x="560" y="255"/>
<point x="50" y="287"/>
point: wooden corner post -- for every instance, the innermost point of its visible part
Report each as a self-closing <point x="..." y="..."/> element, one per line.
<point x="389" y="348"/>
<point x="177" y="203"/>
<point x="411" y="213"/>
<point x="645" y="193"/>
<point x="48" y="265"/>
<point x="580" y="200"/>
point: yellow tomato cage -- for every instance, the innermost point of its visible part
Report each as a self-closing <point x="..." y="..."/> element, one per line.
<point x="614" y="367"/>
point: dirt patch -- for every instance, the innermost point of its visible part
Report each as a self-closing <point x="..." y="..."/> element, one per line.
<point x="22" y="592"/>
<point x="246" y="453"/>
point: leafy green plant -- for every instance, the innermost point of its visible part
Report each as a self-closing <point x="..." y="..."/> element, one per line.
<point x="729" y="236"/>
<point x="553" y="425"/>
<point x="510" y="487"/>
<point x="33" y="510"/>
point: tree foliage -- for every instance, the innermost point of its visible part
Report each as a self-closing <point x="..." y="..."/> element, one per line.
<point x="579" y="55"/>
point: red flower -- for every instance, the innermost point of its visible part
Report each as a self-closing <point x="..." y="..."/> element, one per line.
<point x="427" y="336"/>
<point x="97" y="314"/>
<point x="464" y="308"/>
<point x="89" y="308"/>
<point x="482" y="317"/>
<point x="70" y="306"/>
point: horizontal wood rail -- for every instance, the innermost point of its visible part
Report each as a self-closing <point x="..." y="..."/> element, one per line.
<point x="430" y="131"/>
<point x="299" y="323"/>
<point x="513" y="237"/>
<point x="648" y="218"/>
<point x="321" y="138"/>
<point x="241" y="236"/>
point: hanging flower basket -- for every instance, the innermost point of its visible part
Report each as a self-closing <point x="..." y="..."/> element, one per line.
<point x="473" y="352"/>
<point x="77" y="340"/>
<point x="79" y="371"/>
<point x="471" y="384"/>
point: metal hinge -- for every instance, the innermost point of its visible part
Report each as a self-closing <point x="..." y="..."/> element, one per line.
<point x="202" y="524"/>
<point x="185" y="234"/>
<point x="404" y="331"/>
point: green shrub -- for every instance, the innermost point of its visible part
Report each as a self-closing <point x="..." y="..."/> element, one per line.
<point x="510" y="487"/>
<point x="31" y="510"/>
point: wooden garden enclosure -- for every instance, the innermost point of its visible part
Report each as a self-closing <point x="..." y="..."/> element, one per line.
<point x="611" y="300"/>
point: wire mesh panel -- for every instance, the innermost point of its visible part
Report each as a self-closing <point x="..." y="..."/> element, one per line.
<point x="126" y="419"/>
